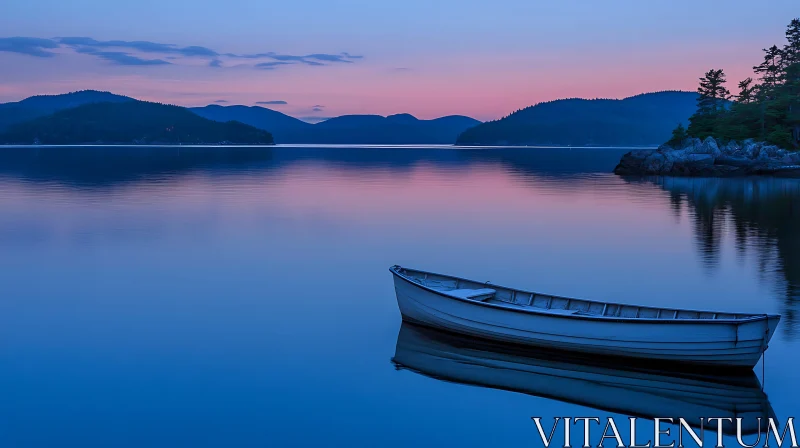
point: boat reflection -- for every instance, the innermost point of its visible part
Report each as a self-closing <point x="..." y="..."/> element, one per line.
<point x="632" y="389"/>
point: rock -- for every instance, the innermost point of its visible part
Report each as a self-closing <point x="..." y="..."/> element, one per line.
<point x="656" y="163"/>
<point x="700" y="159"/>
<point x="674" y="156"/>
<point x="710" y="146"/>
<point x="706" y="158"/>
<point x="795" y="157"/>
<point x="695" y="146"/>
<point x="666" y="147"/>
<point x="731" y="148"/>
<point x="771" y="167"/>
<point x="761" y="148"/>
<point x="707" y="146"/>
<point x="694" y="165"/>
<point x="737" y="161"/>
<point x="631" y="162"/>
<point x="750" y="148"/>
<point x="771" y="151"/>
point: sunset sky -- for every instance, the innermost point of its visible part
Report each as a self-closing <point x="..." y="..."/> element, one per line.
<point x="426" y="57"/>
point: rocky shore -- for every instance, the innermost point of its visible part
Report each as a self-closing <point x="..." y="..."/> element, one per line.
<point x="709" y="158"/>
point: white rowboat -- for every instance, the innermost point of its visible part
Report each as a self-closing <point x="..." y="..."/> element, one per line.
<point x="504" y="314"/>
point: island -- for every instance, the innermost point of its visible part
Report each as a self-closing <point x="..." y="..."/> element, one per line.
<point x="131" y="122"/>
<point x="756" y="132"/>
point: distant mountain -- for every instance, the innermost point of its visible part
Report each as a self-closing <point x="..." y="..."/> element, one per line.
<point x="41" y="105"/>
<point x="259" y="117"/>
<point x="347" y="129"/>
<point x="646" y="119"/>
<point x="127" y="122"/>
<point x="394" y="129"/>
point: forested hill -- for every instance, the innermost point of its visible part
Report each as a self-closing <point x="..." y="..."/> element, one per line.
<point x="131" y="122"/>
<point x="345" y="129"/>
<point x="41" y="105"/>
<point x="646" y="119"/>
<point x="256" y="116"/>
<point x="377" y="129"/>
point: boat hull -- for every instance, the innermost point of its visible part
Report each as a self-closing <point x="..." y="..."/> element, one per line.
<point x="729" y="344"/>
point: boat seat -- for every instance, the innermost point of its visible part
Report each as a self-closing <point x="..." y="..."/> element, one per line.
<point x="472" y="294"/>
<point x="561" y="311"/>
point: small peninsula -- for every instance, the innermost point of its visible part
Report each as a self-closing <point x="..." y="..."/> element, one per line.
<point x="710" y="158"/>
<point x="755" y="132"/>
<point x="131" y="122"/>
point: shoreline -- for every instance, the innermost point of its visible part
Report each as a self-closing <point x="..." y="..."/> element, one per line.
<point x="324" y="145"/>
<point x="692" y="157"/>
<point x="142" y="145"/>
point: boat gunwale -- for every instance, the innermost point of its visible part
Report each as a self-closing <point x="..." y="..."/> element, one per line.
<point x="533" y="310"/>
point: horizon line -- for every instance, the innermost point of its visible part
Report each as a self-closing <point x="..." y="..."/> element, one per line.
<point x="310" y="119"/>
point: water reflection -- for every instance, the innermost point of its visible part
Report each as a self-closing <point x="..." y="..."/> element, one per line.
<point x="762" y="215"/>
<point x="632" y="389"/>
<point x="148" y="278"/>
<point x="98" y="166"/>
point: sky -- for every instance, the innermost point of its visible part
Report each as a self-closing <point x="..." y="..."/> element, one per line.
<point x="320" y="58"/>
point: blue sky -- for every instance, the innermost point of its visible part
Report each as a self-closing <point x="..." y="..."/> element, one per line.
<point x="429" y="58"/>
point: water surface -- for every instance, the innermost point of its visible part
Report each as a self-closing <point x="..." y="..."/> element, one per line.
<point x="241" y="297"/>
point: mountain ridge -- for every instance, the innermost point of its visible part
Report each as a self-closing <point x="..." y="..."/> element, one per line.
<point x="37" y="106"/>
<point x="131" y="122"/>
<point x="400" y="128"/>
<point x="642" y="119"/>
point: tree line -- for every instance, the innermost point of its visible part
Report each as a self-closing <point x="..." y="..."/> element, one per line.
<point x="766" y="108"/>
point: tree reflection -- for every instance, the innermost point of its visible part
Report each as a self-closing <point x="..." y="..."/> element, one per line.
<point x="762" y="215"/>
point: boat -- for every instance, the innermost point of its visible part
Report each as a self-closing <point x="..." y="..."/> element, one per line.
<point x="668" y="335"/>
<point x="636" y="389"/>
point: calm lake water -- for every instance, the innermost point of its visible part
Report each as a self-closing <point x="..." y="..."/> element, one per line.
<point x="241" y="297"/>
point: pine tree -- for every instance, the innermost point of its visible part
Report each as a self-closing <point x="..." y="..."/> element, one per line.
<point x="792" y="49"/>
<point x="679" y="134"/>
<point x="746" y="91"/>
<point x="770" y="68"/>
<point x="791" y="80"/>
<point x="769" y="71"/>
<point x="769" y="110"/>
<point x="713" y="95"/>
